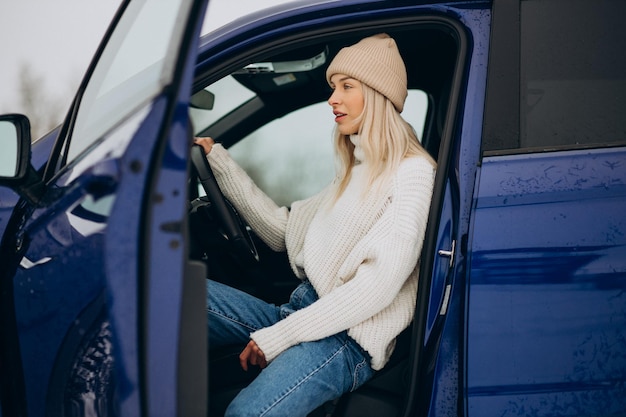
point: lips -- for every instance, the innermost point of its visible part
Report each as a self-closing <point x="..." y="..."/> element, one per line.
<point x="339" y="116"/>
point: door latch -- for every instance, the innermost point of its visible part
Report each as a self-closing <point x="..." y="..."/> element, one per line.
<point x="448" y="253"/>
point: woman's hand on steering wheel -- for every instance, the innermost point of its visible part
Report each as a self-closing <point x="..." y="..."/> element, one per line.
<point x="206" y="143"/>
<point x="232" y="226"/>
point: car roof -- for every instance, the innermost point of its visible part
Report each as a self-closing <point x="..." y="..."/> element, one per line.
<point x="313" y="8"/>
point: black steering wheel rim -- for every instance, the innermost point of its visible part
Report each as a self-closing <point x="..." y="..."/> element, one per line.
<point x="233" y="227"/>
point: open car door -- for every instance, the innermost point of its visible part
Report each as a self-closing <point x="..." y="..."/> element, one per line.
<point x="158" y="298"/>
<point x="97" y="286"/>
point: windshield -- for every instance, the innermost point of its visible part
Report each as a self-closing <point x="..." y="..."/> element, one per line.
<point x="136" y="64"/>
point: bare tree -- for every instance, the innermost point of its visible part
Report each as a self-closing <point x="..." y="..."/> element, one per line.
<point x="43" y="110"/>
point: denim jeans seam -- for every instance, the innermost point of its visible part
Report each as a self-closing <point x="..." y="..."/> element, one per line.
<point x="308" y="376"/>
<point x="231" y="319"/>
<point x="355" y="377"/>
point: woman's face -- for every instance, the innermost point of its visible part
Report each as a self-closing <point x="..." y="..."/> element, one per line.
<point x="347" y="102"/>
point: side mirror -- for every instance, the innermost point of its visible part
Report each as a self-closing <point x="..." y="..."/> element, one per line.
<point x="15" y="144"/>
<point x="16" y="171"/>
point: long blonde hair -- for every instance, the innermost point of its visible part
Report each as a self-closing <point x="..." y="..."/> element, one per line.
<point x="386" y="139"/>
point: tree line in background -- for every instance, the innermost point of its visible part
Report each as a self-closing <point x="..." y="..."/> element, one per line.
<point x="44" y="110"/>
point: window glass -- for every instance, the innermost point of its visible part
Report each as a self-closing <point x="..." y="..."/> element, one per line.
<point x="136" y="64"/>
<point x="573" y="72"/>
<point x="292" y="158"/>
<point x="228" y="94"/>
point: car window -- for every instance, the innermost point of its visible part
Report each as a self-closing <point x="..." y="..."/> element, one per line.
<point x="226" y="95"/>
<point x="134" y="68"/>
<point x="573" y="72"/>
<point x="291" y="158"/>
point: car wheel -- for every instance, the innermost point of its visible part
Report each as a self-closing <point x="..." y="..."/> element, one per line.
<point x="90" y="388"/>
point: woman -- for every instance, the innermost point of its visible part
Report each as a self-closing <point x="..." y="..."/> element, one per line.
<point x="355" y="246"/>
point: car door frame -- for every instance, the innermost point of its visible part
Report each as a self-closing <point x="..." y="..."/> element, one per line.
<point x="450" y="208"/>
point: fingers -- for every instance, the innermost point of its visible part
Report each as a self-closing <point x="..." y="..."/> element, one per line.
<point x="252" y="354"/>
<point x="206" y="143"/>
<point x="244" y="356"/>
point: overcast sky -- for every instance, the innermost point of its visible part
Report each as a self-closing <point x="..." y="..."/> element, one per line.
<point x="57" y="39"/>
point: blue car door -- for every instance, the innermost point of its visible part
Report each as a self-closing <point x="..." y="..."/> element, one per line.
<point x="97" y="287"/>
<point x="547" y="275"/>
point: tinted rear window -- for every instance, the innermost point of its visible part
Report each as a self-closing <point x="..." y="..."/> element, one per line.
<point x="572" y="73"/>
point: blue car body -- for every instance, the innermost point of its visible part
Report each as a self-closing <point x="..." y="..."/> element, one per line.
<point x="522" y="299"/>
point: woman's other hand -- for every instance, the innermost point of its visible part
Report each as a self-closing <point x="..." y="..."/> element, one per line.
<point x="252" y="354"/>
<point x="206" y="143"/>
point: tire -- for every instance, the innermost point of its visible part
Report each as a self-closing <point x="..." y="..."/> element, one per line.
<point x="90" y="387"/>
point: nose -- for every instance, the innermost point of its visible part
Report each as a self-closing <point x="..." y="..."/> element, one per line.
<point x="334" y="98"/>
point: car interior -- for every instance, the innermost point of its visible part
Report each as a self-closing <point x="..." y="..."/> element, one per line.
<point x="281" y="83"/>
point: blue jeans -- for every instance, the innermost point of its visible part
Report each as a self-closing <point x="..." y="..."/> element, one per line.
<point x="301" y="378"/>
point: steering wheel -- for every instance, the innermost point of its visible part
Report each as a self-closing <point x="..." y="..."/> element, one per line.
<point x="233" y="229"/>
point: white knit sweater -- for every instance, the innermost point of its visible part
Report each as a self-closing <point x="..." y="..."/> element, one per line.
<point x="360" y="253"/>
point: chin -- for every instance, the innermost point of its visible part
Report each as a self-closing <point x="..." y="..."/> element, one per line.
<point x="348" y="132"/>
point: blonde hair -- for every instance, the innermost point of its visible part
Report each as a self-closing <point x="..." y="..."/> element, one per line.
<point x="385" y="137"/>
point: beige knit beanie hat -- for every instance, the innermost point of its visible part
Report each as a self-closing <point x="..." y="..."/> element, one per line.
<point x="374" y="61"/>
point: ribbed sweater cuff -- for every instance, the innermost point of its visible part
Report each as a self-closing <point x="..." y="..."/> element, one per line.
<point x="270" y="343"/>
